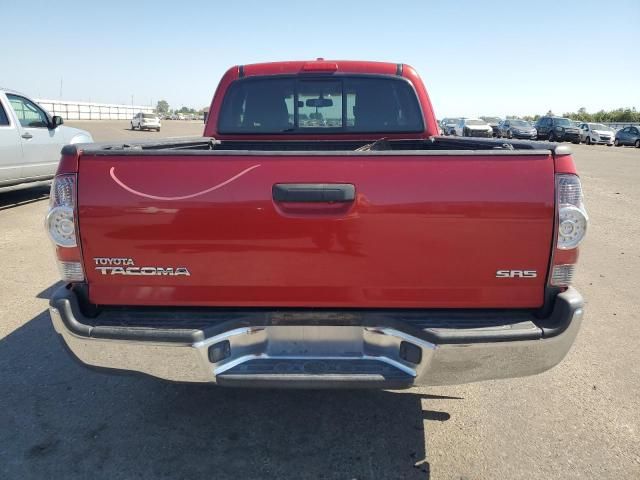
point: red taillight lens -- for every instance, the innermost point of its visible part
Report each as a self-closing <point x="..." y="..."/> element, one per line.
<point x="572" y="225"/>
<point x="320" y="66"/>
<point x="61" y="226"/>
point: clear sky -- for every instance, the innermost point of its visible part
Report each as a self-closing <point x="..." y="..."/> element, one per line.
<point x="476" y="57"/>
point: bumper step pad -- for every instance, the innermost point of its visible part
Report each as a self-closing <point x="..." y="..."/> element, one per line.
<point x="313" y="373"/>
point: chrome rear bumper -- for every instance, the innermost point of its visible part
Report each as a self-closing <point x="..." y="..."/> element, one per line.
<point x="319" y="355"/>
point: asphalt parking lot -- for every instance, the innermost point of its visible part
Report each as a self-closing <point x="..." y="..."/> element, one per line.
<point x="579" y="420"/>
<point x="107" y="130"/>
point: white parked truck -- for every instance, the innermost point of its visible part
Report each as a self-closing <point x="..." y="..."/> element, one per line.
<point x="31" y="140"/>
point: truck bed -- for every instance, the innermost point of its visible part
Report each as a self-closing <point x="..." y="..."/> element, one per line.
<point x="444" y="145"/>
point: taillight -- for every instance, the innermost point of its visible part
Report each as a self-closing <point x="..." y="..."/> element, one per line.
<point x="61" y="217"/>
<point x="61" y="226"/>
<point x="571" y="230"/>
<point x="572" y="215"/>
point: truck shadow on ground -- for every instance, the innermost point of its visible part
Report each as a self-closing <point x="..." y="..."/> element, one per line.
<point x="11" y="197"/>
<point x="60" y="420"/>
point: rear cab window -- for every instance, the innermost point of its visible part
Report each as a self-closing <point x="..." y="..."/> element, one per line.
<point x="337" y="104"/>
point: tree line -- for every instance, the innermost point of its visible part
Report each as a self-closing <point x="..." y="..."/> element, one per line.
<point x="163" y="107"/>
<point x="603" y="116"/>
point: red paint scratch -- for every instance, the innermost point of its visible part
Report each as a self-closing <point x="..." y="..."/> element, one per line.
<point x="112" y="172"/>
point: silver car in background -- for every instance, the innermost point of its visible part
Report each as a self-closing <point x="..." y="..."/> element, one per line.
<point x="146" y="121"/>
<point x="473" y="127"/>
<point x="516" y="128"/>
<point x="597" y="133"/>
<point x="448" y="125"/>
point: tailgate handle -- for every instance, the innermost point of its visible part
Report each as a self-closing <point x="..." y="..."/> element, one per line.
<point x="314" y="192"/>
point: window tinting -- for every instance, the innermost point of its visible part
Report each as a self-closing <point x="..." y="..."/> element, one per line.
<point x="381" y="105"/>
<point x="342" y="104"/>
<point x="319" y="104"/>
<point x="4" y="120"/>
<point x="28" y="113"/>
<point x="258" y="106"/>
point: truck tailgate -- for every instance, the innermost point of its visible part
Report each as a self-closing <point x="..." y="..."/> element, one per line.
<point x="423" y="231"/>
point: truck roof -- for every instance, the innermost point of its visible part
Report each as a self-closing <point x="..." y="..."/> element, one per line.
<point x="319" y="65"/>
<point x="9" y="90"/>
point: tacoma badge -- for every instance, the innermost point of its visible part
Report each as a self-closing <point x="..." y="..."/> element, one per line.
<point x="126" y="266"/>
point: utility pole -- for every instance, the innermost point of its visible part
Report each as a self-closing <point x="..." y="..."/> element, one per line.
<point x="60" y="88"/>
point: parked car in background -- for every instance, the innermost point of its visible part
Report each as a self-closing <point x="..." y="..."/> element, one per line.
<point x="557" y="129"/>
<point x="597" y="133"/>
<point x="31" y="140"/>
<point x="516" y="128"/>
<point x="494" y="123"/>
<point x="146" y="121"/>
<point x="473" y="127"/>
<point x="628" y="136"/>
<point x="448" y="125"/>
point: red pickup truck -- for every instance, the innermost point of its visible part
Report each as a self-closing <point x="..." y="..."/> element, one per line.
<point x="319" y="234"/>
